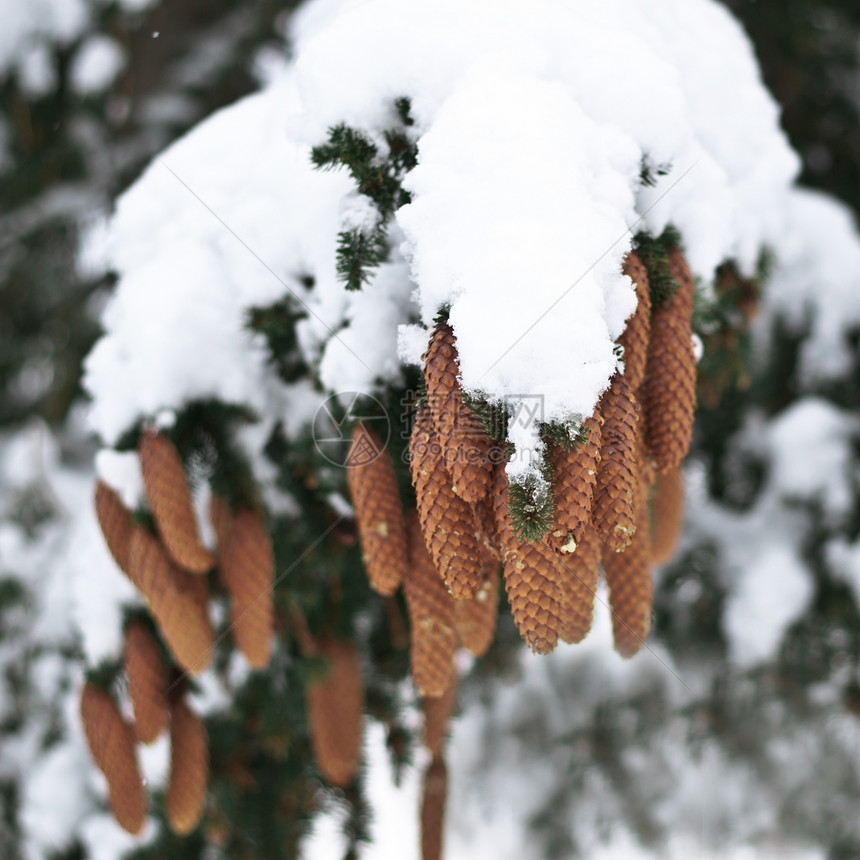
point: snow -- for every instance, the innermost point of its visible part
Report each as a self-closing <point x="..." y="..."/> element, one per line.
<point x="96" y="64"/>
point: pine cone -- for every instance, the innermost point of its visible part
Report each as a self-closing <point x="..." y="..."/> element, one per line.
<point x="613" y="511"/>
<point x="182" y="620"/>
<point x="531" y="579"/>
<point x="475" y="617"/>
<point x="574" y="477"/>
<point x="335" y="706"/>
<point x="485" y="530"/>
<point x="579" y="573"/>
<point x="431" y="613"/>
<point x="189" y="769"/>
<point x="170" y="500"/>
<point x="668" y="508"/>
<point x="446" y="520"/>
<point x="115" y="522"/>
<point x="433" y="798"/>
<point x="637" y="333"/>
<point x="378" y="511"/>
<point x="111" y="742"/>
<point x="669" y="390"/>
<point x="438" y="711"/>
<point x="147" y="682"/>
<point x="247" y="569"/>
<point x="465" y="446"/>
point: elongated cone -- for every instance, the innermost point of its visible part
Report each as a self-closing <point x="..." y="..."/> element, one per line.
<point x="465" y="446"/>
<point x="574" y="477"/>
<point x="614" y="495"/>
<point x="669" y="390"/>
<point x="189" y="769"/>
<point x="438" y="711"/>
<point x="378" y="511"/>
<point x="637" y="334"/>
<point x="485" y="529"/>
<point x="170" y="500"/>
<point x="147" y="683"/>
<point x="579" y="573"/>
<point x="111" y="742"/>
<point x="335" y="705"/>
<point x="433" y="799"/>
<point x="182" y="620"/>
<point x="115" y="522"/>
<point x="247" y="569"/>
<point x="531" y="579"/>
<point x="475" y="617"/>
<point x="446" y="520"/>
<point x="668" y="515"/>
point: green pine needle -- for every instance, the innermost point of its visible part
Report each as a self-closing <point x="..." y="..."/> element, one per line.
<point x="531" y="508"/>
<point x="358" y="254"/>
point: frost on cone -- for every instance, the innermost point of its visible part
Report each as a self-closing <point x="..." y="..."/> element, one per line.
<point x="637" y="333"/>
<point x="111" y="742"/>
<point x="475" y="617"/>
<point x="435" y="792"/>
<point x="189" y="769"/>
<point x="574" y="474"/>
<point x="431" y="613"/>
<point x="465" y="446"/>
<point x="579" y="573"/>
<point x="378" y="511"/>
<point x="182" y="620"/>
<point x="147" y="682"/>
<point x="531" y="579"/>
<point x="247" y="569"/>
<point x="668" y="515"/>
<point x="335" y="704"/>
<point x="446" y="520"/>
<point x="438" y="711"/>
<point x="669" y="390"/>
<point x="613" y="511"/>
<point x="115" y="522"/>
<point x="170" y="499"/>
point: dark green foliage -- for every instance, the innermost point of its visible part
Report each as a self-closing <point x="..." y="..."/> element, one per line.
<point x="359" y="253"/>
<point x="654" y="253"/>
<point x="277" y="323"/>
<point x="569" y="437"/>
<point x="650" y="173"/>
<point x="531" y="507"/>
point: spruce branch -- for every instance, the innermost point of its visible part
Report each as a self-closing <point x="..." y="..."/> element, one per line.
<point x="359" y="253"/>
<point x="654" y="253"/>
<point x="531" y="506"/>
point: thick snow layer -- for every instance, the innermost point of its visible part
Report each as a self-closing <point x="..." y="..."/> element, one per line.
<point x="96" y="64"/>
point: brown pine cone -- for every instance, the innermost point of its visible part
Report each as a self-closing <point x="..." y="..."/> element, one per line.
<point x="637" y="333"/>
<point x="147" y="682"/>
<point x="111" y="742"/>
<point x="531" y="579"/>
<point x="431" y="613"/>
<point x="335" y="705"/>
<point x="446" y="520"/>
<point x="247" y="569"/>
<point x="170" y="500"/>
<point x="669" y="390"/>
<point x="438" y="711"/>
<point x="485" y="529"/>
<point x="378" y="511"/>
<point x="182" y="620"/>
<point x="115" y="522"/>
<point x="465" y="446"/>
<point x="579" y="573"/>
<point x="189" y="769"/>
<point x="613" y="510"/>
<point x="475" y="617"/>
<point x="668" y="515"/>
<point x="574" y="477"/>
<point x="433" y="798"/>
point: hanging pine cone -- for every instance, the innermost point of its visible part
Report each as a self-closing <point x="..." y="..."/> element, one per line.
<point x="147" y="682"/>
<point x="614" y="495"/>
<point x="170" y="500"/>
<point x="637" y="334"/>
<point x="434" y="795"/>
<point x="475" y="617"/>
<point x="531" y="579"/>
<point x="115" y="522"/>
<point x="668" y="515"/>
<point x="669" y="390"/>
<point x="485" y="530"/>
<point x="438" y="711"/>
<point x="247" y="570"/>
<point x="578" y="574"/>
<point x="431" y="614"/>
<point x="111" y="742"/>
<point x="183" y="622"/>
<point x="189" y="769"/>
<point x="446" y="520"/>
<point x="378" y="511"/>
<point x="335" y="704"/>
<point x="466" y="449"/>
<point x="574" y="477"/>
